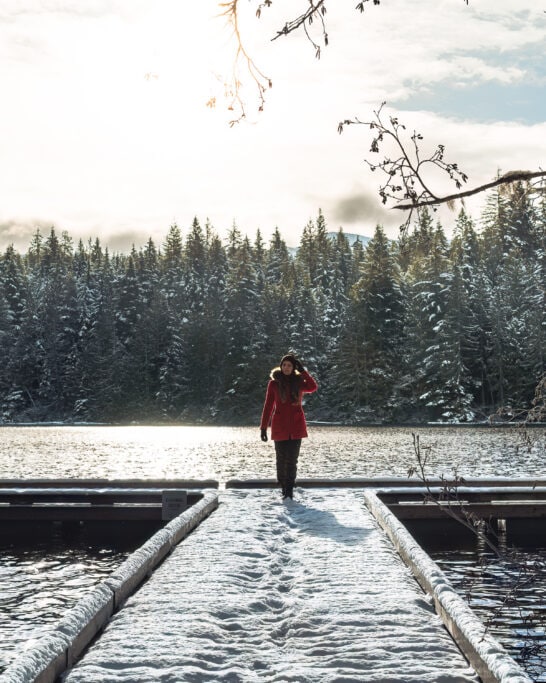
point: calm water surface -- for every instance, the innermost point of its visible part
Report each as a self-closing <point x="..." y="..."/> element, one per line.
<point x="38" y="582"/>
<point x="225" y="452"/>
<point x="511" y="602"/>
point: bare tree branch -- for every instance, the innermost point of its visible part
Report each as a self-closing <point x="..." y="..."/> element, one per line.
<point x="315" y="10"/>
<point x="506" y="178"/>
<point x="405" y="182"/>
<point x="314" y="13"/>
<point x="242" y="60"/>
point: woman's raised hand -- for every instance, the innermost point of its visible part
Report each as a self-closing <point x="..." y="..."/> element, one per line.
<point x="298" y="365"/>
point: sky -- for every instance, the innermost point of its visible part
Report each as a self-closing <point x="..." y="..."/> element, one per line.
<point x="106" y="132"/>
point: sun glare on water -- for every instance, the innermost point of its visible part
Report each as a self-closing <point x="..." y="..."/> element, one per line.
<point x="157" y="448"/>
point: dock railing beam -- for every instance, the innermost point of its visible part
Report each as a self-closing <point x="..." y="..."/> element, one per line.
<point x="486" y="655"/>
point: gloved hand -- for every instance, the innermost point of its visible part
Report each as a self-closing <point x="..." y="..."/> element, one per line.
<point x="298" y="365"/>
<point x="263" y="434"/>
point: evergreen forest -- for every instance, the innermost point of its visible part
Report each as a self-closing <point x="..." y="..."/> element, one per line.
<point x="419" y="329"/>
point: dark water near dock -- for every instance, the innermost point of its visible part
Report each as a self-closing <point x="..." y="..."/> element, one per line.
<point x="45" y="568"/>
<point x="508" y="593"/>
<point x="41" y="578"/>
<point x="512" y="604"/>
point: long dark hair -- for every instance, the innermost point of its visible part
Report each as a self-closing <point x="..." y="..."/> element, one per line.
<point x="289" y="385"/>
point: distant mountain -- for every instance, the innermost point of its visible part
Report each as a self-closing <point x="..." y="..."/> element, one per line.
<point x="352" y="237"/>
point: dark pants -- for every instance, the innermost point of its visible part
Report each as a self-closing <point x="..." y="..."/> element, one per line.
<point x="287" y="464"/>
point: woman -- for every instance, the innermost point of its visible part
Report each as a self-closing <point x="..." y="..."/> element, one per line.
<point x="283" y="408"/>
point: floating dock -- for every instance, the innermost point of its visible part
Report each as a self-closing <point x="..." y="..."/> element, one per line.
<point x="303" y="591"/>
<point x="322" y="588"/>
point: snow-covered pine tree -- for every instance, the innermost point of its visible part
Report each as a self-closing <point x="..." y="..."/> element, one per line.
<point x="170" y="396"/>
<point x="243" y="321"/>
<point x="278" y="262"/>
<point x="380" y="307"/>
<point x="428" y="291"/>
<point x="56" y="327"/>
<point x="12" y="311"/>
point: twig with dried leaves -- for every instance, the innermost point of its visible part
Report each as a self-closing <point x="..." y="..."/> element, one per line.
<point x="405" y="182"/>
<point x="448" y="500"/>
<point x="242" y="60"/>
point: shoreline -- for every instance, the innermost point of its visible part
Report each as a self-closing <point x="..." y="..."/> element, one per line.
<point x="313" y="423"/>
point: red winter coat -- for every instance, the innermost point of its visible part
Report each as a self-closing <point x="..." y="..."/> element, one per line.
<point x="287" y="418"/>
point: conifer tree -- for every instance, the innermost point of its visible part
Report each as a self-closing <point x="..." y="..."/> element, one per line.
<point x="100" y="359"/>
<point x="379" y="304"/>
<point x="216" y="335"/>
<point x="451" y="391"/>
<point x="519" y="327"/>
<point x="127" y="316"/>
<point x="13" y="307"/>
<point x="335" y="294"/>
<point x="244" y="326"/>
<point x="465" y="259"/>
<point x="277" y="261"/>
<point x="56" y="326"/>
<point x="494" y="233"/>
<point x="150" y="328"/>
<point x="357" y="259"/>
<point x="523" y="230"/>
<point x="428" y="291"/>
<point x="196" y="324"/>
<point x="171" y="392"/>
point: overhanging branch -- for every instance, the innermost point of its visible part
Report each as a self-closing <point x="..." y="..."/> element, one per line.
<point x="511" y="177"/>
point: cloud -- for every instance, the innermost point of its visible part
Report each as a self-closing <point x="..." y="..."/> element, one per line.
<point x="407" y="52"/>
<point x="484" y="102"/>
<point x="37" y="33"/>
<point x="124" y="241"/>
<point x="362" y="209"/>
<point x="17" y="47"/>
<point x="13" y="10"/>
<point x="20" y="232"/>
<point x="354" y="208"/>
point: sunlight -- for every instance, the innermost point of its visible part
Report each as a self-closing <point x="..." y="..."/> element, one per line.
<point x="172" y="436"/>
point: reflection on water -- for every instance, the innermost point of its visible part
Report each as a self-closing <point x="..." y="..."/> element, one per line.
<point x="46" y="568"/>
<point x="227" y="452"/>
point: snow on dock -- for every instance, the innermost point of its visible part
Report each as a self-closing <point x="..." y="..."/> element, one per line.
<point x="308" y="590"/>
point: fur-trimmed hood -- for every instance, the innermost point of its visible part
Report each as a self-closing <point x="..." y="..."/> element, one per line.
<point x="276" y="374"/>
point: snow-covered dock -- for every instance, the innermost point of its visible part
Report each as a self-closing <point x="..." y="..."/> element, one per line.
<point x="309" y="590"/>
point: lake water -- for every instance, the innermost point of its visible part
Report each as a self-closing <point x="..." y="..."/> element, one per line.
<point x="228" y="452"/>
<point x="511" y="602"/>
<point x="38" y="583"/>
<point x="46" y="568"/>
